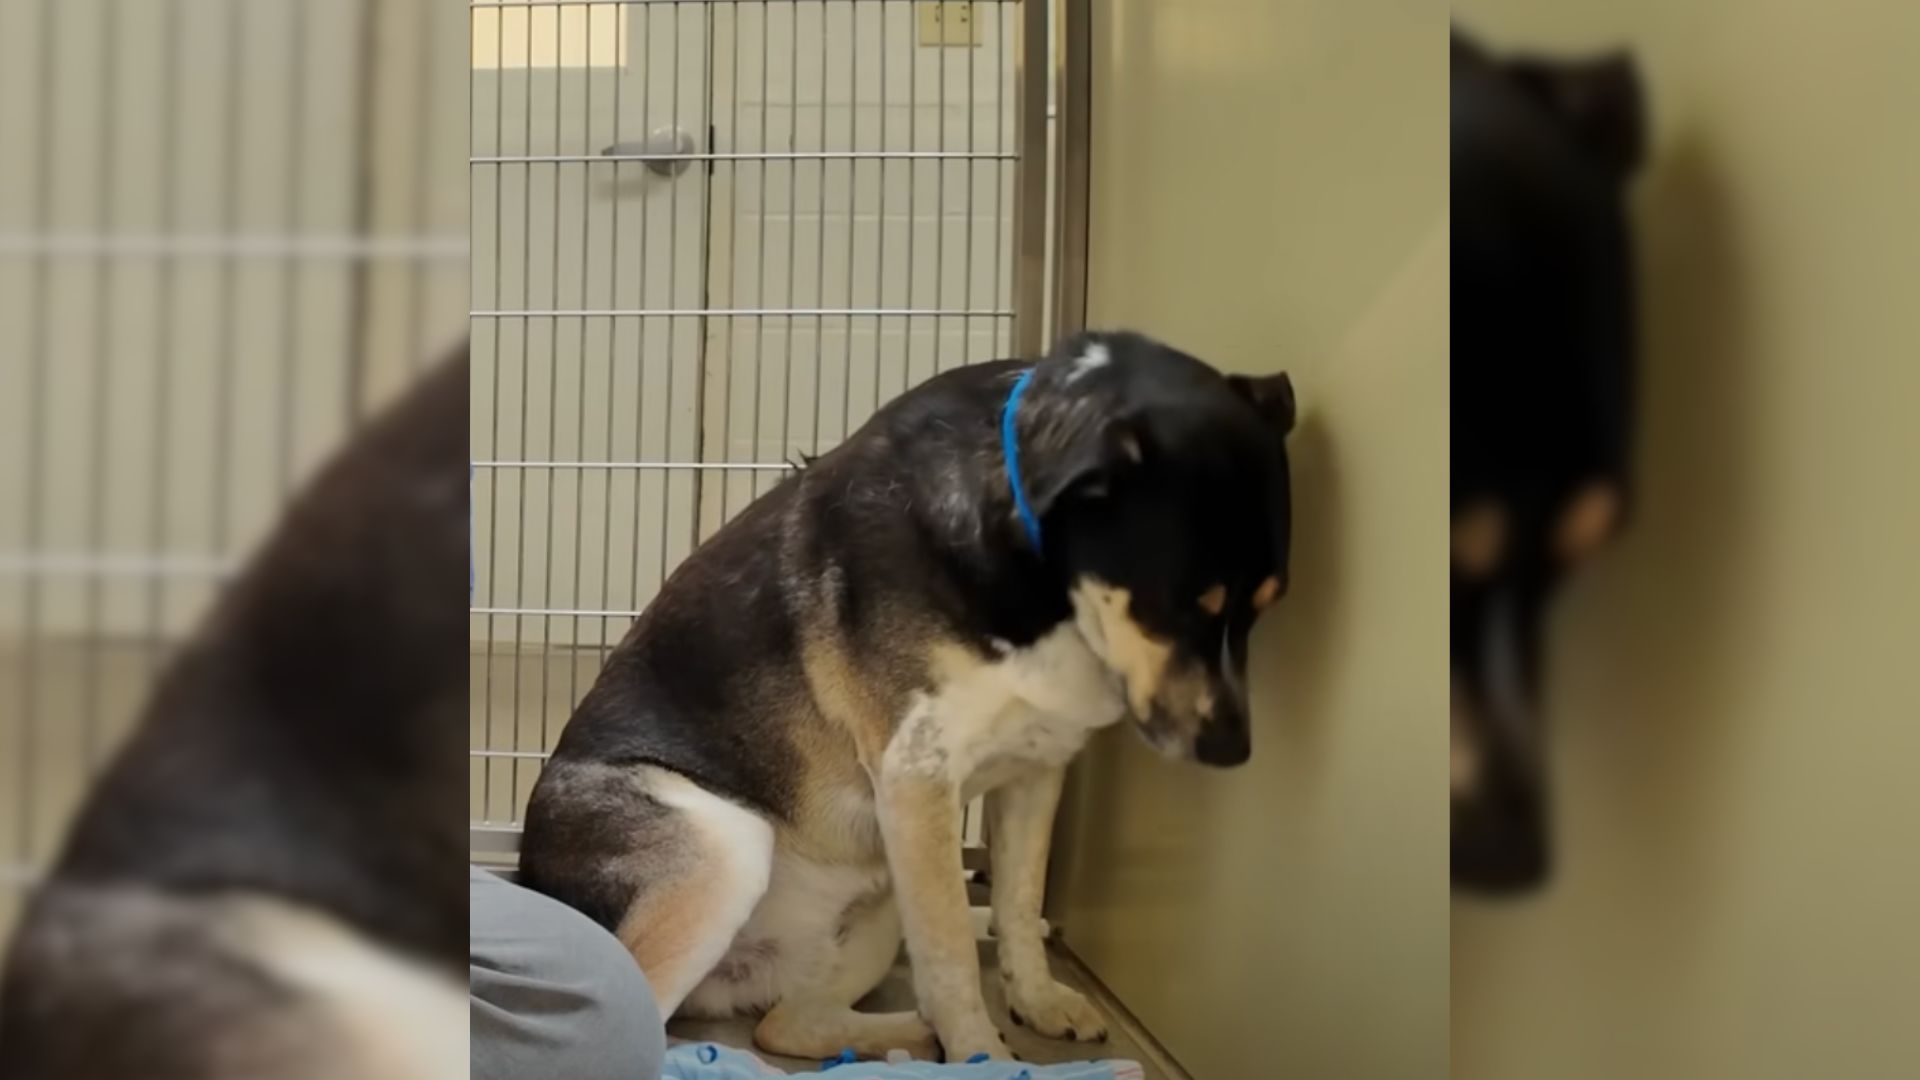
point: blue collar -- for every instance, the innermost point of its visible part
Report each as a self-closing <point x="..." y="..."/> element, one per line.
<point x="1010" y="449"/>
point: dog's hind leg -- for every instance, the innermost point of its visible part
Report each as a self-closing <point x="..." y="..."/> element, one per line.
<point x="709" y="877"/>
<point x="816" y="1019"/>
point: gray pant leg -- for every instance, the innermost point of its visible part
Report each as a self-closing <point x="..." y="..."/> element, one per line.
<point x="554" y="994"/>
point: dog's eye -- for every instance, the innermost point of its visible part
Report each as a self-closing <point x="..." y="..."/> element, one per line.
<point x="1214" y="600"/>
<point x="1479" y="538"/>
<point x="1587" y="522"/>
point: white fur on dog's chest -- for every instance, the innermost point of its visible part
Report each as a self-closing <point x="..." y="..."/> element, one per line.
<point x="990" y="720"/>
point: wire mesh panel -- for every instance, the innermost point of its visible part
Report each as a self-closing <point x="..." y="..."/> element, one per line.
<point x="709" y="237"/>
<point x="216" y="255"/>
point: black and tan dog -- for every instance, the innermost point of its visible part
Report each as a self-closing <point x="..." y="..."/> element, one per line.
<point x="268" y="881"/>
<point x="765" y="784"/>
<point x="1543" y="350"/>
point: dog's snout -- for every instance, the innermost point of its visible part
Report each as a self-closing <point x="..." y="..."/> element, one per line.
<point x="1223" y="744"/>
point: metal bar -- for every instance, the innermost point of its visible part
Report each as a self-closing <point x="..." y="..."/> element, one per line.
<point x="511" y="755"/>
<point x="1072" y="163"/>
<point x="793" y="224"/>
<point x="424" y="65"/>
<point x="913" y="198"/>
<point x="360" y="279"/>
<point x="518" y="612"/>
<point x="999" y="178"/>
<point x="880" y="229"/>
<point x="853" y="189"/>
<point x="940" y="198"/>
<point x="1030" y="183"/>
<point x="760" y="292"/>
<point x="526" y="332"/>
<point x="170" y="246"/>
<point x="159" y="452"/>
<point x="291" y="275"/>
<point x="493" y="530"/>
<point x="553" y="395"/>
<point x="99" y="346"/>
<point x="106" y="564"/>
<point x="966" y="266"/>
<point x="820" y="244"/>
<point x="232" y="136"/>
<point x="673" y="259"/>
<point x="731" y="155"/>
<point x="641" y="3"/>
<point x="38" y="394"/>
<point x="651" y="313"/>
<point x="713" y="466"/>
<point x="613" y="259"/>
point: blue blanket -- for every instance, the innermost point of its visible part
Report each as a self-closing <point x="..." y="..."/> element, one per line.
<point x="711" y="1061"/>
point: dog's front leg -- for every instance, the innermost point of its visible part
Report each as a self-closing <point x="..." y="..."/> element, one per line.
<point x="1020" y="815"/>
<point x="920" y="825"/>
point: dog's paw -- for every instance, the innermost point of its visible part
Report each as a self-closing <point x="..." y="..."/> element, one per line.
<point x="1056" y="1011"/>
<point x="966" y="1045"/>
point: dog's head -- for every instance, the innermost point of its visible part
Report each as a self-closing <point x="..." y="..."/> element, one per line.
<point x="1543" y="357"/>
<point x="1163" y="487"/>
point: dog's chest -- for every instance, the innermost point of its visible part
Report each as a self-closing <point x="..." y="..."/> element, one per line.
<point x="1025" y="708"/>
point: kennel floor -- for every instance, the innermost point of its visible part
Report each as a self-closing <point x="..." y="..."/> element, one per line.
<point x="1124" y="1040"/>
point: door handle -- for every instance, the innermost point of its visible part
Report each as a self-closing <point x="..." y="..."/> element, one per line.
<point x="664" y="150"/>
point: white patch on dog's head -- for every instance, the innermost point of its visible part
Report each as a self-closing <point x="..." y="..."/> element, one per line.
<point x="1095" y="358"/>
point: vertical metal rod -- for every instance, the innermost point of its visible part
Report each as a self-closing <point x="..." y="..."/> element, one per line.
<point x="1030" y="183"/>
<point x="231" y="137"/>
<point x="820" y="266"/>
<point x="793" y="225"/>
<point x="972" y="167"/>
<point x="940" y="208"/>
<point x="1072" y="165"/>
<point x="880" y="240"/>
<point x="526" y="373"/>
<point x="733" y="272"/>
<point x="292" y="276"/>
<point x="493" y="530"/>
<point x="760" y="293"/>
<point x="853" y="188"/>
<point x="101" y="377"/>
<point x="360" y="276"/>
<point x="37" y="412"/>
<point x="553" y="405"/>
<point x="623" y="38"/>
<point x="673" y="276"/>
<point x="913" y="199"/>
<point x="613" y="290"/>
<point x="159" y="451"/>
<point x="1000" y="104"/>
<point x="424" y="64"/>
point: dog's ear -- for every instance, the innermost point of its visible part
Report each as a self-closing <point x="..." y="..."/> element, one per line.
<point x="1086" y="467"/>
<point x="1271" y="394"/>
<point x="1600" y="100"/>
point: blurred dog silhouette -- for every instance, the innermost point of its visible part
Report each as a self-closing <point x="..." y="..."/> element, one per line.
<point x="269" y="879"/>
<point x="1543" y="152"/>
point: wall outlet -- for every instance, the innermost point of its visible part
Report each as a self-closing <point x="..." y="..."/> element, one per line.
<point x="949" y="22"/>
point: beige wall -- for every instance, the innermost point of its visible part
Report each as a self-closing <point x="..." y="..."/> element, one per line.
<point x="1733" y="688"/>
<point x="1266" y="194"/>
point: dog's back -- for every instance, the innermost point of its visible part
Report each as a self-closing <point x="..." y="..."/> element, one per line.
<point x="268" y="880"/>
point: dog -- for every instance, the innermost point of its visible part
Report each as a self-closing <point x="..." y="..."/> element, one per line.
<point x="1543" y="154"/>
<point x="763" y="788"/>
<point x="268" y="879"/>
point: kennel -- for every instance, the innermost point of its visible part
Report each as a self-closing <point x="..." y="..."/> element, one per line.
<point x="231" y="229"/>
<point x="709" y="237"/>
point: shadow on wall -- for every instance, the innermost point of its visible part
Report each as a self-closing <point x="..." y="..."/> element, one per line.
<point x="1293" y="655"/>
<point x="1639" y="669"/>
